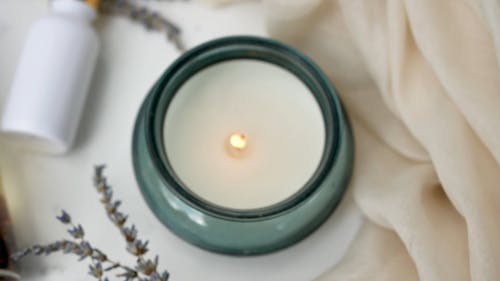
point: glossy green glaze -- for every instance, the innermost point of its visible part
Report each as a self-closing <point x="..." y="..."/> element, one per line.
<point x="231" y="231"/>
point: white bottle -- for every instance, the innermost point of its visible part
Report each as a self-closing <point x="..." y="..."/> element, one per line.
<point x="47" y="96"/>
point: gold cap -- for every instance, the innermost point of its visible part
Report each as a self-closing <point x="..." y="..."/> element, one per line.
<point x="93" y="3"/>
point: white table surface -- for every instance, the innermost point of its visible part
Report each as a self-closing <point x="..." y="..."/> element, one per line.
<point x="131" y="59"/>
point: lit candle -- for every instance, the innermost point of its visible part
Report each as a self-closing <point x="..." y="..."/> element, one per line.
<point x="242" y="147"/>
<point x="244" y="134"/>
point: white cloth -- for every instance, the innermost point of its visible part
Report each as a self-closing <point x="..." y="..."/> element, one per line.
<point x="421" y="83"/>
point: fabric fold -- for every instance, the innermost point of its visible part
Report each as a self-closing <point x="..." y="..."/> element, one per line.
<point x="421" y="83"/>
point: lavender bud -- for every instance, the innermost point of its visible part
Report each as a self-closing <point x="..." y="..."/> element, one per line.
<point x="96" y="270"/>
<point x="21" y="254"/>
<point x="77" y="232"/>
<point x="130" y="233"/>
<point x="37" y="250"/>
<point x="128" y="274"/>
<point x="148" y="267"/>
<point x="138" y="248"/>
<point x="119" y="219"/>
<point x="86" y="250"/>
<point x="64" y="217"/>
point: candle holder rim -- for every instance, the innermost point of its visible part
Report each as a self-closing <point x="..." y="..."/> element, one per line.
<point x="166" y="172"/>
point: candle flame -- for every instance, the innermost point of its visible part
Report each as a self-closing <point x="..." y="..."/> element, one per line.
<point x="238" y="141"/>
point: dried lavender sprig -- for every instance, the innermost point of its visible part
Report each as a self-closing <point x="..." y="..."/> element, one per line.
<point x="151" y="20"/>
<point x="135" y="246"/>
<point x="81" y="248"/>
<point x="144" y="270"/>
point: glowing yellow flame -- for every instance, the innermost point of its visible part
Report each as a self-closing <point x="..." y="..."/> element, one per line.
<point x="238" y="141"/>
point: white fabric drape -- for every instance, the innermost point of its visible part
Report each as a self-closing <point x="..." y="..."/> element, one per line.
<point x="421" y="83"/>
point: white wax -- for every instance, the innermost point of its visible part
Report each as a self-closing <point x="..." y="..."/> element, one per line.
<point x="276" y="112"/>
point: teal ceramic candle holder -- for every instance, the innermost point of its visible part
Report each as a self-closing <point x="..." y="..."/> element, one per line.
<point x="233" y="231"/>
